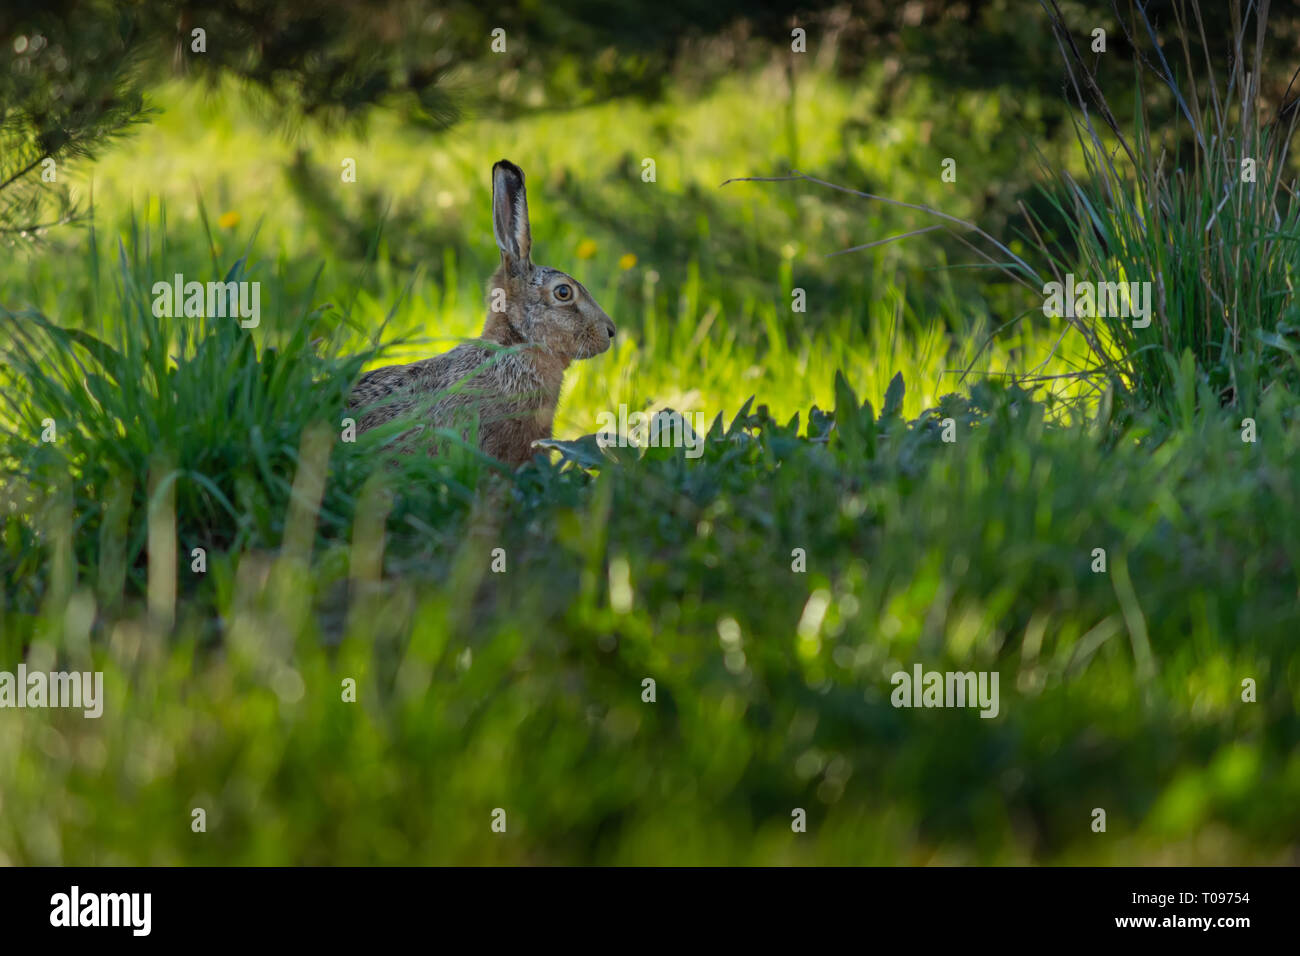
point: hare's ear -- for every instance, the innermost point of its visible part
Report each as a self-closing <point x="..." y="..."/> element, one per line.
<point x="510" y="214"/>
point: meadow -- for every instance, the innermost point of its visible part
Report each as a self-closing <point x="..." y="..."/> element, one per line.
<point x="378" y="655"/>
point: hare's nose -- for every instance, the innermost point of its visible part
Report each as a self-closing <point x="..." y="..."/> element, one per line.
<point x="609" y="327"/>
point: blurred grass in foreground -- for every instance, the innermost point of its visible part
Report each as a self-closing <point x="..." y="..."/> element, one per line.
<point x="523" y="690"/>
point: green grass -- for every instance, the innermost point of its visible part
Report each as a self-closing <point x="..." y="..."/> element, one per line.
<point x="707" y="307"/>
<point x="1198" y="200"/>
<point x="523" y="689"/>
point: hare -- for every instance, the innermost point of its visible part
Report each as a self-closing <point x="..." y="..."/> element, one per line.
<point x="548" y="315"/>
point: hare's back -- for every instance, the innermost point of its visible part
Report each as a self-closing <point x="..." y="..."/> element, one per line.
<point x="385" y="393"/>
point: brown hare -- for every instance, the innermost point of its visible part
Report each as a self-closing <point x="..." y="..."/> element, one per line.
<point x="548" y="315"/>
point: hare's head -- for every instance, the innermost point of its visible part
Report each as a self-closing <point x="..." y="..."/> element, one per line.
<point x="532" y="303"/>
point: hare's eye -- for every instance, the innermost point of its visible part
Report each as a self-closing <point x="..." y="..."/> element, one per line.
<point x="563" y="292"/>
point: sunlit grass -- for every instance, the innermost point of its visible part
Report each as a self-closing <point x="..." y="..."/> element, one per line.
<point x="691" y="334"/>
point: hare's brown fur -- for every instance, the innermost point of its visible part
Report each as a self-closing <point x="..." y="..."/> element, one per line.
<point x="510" y="377"/>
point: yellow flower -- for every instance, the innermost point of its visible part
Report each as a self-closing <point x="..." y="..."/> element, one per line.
<point x="627" y="261"/>
<point x="586" y="248"/>
<point x="228" y="220"/>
